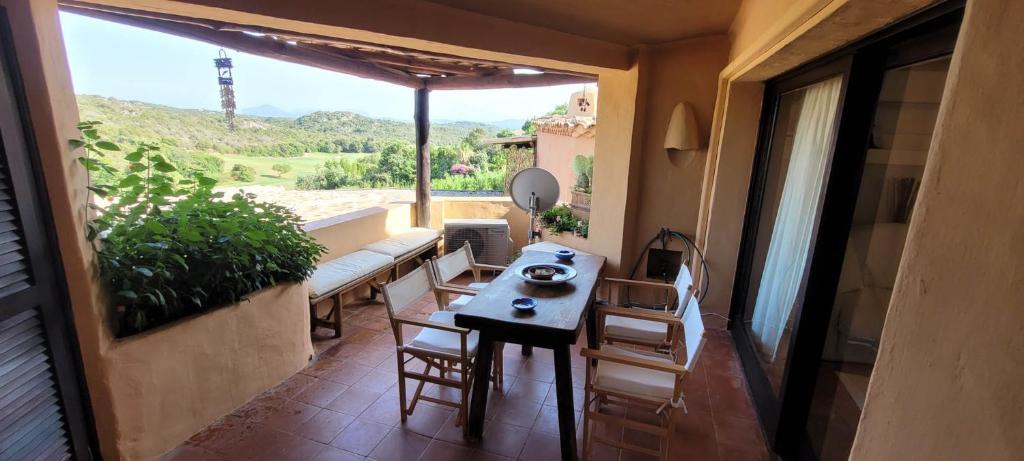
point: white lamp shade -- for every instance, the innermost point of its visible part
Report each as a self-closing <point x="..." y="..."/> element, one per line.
<point x="683" y="133"/>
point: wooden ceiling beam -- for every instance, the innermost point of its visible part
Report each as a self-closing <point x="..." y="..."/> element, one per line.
<point x="504" y="81"/>
<point x="260" y="46"/>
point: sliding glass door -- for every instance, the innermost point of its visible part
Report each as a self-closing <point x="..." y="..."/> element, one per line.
<point x="842" y="148"/>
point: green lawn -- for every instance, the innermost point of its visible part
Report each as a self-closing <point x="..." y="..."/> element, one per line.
<point x="265" y="176"/>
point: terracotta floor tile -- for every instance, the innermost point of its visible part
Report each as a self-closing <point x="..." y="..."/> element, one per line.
<point x="541" y="447"/>
<point x="259" y="408"/>
<point x="187" y="452"/>
<point x="291" y="415"/>
<point x="354" y="400"/>
<point x="577" y="397"/>
<point x="385" y="410"/>
<point x="504" y="439"/>
<point x="530" y="390"/>
<point x="271" y="445"/>
<point x="444" y="451"/>
<point x="376" y="379"/>
<point x="427" y="420"/>
<point x="346" y="373"/>
<point x="538" y="371"/>
<point x="481" y="455"/>
<point x="517" y="413"/>
<point x="320" y="392"/>
<point x="738" y="431"/>
<point x="400" y="445"/>
<point x="547" y="420"/>
<point x="729" y="452"/>
<point x="292" y="386"/>
<point x="330" y="453"/>
<point x="361" y="437"/>
<point x="373" y="357"/>
<point x="324" y="426"/>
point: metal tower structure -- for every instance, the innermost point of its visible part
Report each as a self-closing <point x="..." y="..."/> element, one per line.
<point x="227" y="89"/>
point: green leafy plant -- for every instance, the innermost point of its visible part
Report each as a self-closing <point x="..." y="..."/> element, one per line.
<point x="168" y="246"/>
<point x="583" y="169"/>
<point x="243" y="173"/>
<point x="561" y="219"/>
<point x="281" y="169"/>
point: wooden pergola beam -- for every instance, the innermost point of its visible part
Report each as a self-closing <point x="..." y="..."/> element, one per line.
<point x="260" y="46"/>
<point x="422" y="119"/>
<point x="504" y="81"/>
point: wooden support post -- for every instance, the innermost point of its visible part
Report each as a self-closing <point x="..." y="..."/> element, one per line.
<point x="422" y="116"/>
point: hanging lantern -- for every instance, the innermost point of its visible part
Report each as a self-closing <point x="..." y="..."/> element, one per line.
<point x="227" y="89"/>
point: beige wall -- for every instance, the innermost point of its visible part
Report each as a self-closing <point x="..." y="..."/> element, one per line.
<point x="555" y="153"/>
<point x="947" y="384"/>
<point x="349" y="232"/>
<point x="173" y="381"/>
<point x="670" y="182"/>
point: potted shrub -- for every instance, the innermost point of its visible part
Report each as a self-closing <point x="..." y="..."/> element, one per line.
<point x="583" y="169"/>
<point x="168" y="246"/>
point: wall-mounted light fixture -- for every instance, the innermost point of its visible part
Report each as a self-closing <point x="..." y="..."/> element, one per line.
<point x="683" y="133"/>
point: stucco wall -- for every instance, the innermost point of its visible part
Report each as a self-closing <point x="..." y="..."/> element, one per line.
<point x="947" y="384"/>
<point x="555" y="153"/>
<point x="175" y="380"/>
<point x="346" y="233"/>
<point x="670" y="182"/>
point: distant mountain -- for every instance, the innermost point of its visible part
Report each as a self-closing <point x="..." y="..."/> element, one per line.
<point x="191" y="130"/>
<point x="267" y="110"/>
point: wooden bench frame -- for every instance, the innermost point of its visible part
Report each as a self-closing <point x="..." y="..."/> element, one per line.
<point x="332" y="320"/>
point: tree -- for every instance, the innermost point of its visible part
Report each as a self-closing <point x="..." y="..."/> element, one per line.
<point x="398" y="161"/>
<point x="506" y="133"/>
<point x="441" y="161"/>
<point x="281" y="169"/>
<point x="243" y="173"/>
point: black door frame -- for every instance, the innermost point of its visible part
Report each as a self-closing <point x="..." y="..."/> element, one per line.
<point x="862" y="66"/>
<point x="55" y="309"/>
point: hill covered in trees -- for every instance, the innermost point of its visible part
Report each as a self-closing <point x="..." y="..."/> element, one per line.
<point x="202" y="131"/>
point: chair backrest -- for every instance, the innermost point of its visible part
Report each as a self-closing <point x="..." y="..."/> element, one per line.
<point x="404" y="292"/>
<point x="693" y="332"/>
<point x="684" y="288"/>
<point x="453" y="264"/>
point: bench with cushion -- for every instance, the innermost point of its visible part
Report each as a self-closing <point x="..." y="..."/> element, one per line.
<point x="332" y="279"/>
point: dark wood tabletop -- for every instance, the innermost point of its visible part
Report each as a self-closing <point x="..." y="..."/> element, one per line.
<point x="555" y="324"/>
<point x="560" y="310"/>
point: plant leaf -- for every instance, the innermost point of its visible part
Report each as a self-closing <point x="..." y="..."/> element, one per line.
<point x="107" y="145"/>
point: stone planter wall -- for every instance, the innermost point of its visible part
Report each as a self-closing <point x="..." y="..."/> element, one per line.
<point x="172" y="381"/>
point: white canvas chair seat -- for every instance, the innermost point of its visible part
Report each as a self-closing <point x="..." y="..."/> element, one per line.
<point x="342" y="271"/>
<point x="459" y="303"/>
<point x="445" y="341"/>
<point x="402" y="244"/>
<point x="635" y="329"/>
<point x="477" y="285"/>
<point x="631" y="380"/>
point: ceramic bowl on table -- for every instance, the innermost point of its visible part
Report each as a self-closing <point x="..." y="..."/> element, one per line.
<point x="533" y="273"/>
<point x="565" y="255"/>
<point x="524" y="304"/>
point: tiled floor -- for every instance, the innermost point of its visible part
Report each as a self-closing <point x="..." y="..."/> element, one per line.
<point x="344" y="406"/>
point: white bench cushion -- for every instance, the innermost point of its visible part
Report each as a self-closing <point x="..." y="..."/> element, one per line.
<point x="478" y="285"/>
<point x="626" y="379"/>
<point x="401" y="244"/>
<point x="635" y="329"/>
<point x="338" y="272"/>
<point x="445" y="341"/>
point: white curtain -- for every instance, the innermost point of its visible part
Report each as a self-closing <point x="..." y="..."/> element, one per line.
<point x="791" y="235"/>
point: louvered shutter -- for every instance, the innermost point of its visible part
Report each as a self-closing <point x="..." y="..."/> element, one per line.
<point x="43" y="415"/>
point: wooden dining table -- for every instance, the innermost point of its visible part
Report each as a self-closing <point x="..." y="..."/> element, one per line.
<point x="556" y="323"/>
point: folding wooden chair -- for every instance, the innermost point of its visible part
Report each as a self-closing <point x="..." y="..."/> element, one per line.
<point x="618" y="326"/>
<point x="454" y="264"/>
<point x="642" y="379"/>
<point x="440" y="344"/>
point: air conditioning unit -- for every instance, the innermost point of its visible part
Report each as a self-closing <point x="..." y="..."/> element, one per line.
<point x="489" y="239"/>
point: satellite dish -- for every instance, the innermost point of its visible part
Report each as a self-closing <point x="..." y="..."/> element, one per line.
<point x="534" y="190"/>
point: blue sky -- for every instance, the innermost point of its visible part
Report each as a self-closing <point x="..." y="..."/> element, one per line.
<point x="110" y="59"/>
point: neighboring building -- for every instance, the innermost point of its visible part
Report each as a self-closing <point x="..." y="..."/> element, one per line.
<point x="560" y="138"/>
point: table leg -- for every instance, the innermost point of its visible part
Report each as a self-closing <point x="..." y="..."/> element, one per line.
<point x="566" y="414"/>
<point x="481" y="375"/>
<point x="592" y="328"/>
<point x="527" y="350"/>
